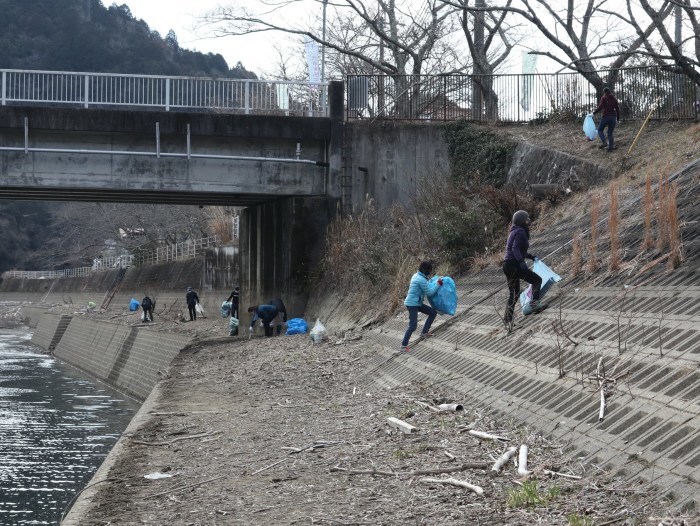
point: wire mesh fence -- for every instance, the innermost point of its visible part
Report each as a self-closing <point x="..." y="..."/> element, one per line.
<point x="519" y="98"/>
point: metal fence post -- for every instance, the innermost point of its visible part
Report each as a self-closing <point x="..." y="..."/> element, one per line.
<point x="4" y="87"/>
<point x="246" y="102"/>
<point x="167" y="94"/>
<point x="87" y="90"/>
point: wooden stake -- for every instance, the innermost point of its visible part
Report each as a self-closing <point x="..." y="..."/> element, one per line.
<point x="402" y="426"/>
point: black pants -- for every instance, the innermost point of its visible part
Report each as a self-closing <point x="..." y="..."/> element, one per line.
<point x="193" y="311"/>
<point x="148" y="314"/>
<point x="514" y="274"/>
<point x="268" y="328"/>
<point x="234" y="310"/>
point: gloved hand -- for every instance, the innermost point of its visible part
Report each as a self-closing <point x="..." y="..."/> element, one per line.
<point x="532" y="257"/>
<point x="523" y="265"/>
<point x="439" y="281"/>
<point x="250" y="330"/>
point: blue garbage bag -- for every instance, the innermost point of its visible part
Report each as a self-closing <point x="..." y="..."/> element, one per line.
<point x="233" y="327"/>
<point x="589" y="127"/>
<point x="134" y="305"/>
<point x="225" y="309"/>
<point x="549" y="278"/>
<point x="296" y="326"/>
<point x="445" y="299"/>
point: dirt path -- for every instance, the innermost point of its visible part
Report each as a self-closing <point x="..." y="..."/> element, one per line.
<point x="262" y="433"/>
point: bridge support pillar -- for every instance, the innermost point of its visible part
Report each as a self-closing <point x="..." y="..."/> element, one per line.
<point x="281" y="244"/>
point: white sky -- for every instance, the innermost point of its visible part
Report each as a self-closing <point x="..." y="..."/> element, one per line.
<point x="256" y="52"/>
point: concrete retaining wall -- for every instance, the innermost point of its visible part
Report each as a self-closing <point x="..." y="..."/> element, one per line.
<point x="49" y="330"/>
<point x="643" y="320"/>
<point x="131" y="359"/>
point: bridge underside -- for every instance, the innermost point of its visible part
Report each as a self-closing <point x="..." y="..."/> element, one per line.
<point x="34" y="193"/>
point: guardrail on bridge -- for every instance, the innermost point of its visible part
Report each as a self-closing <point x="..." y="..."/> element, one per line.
<point x="245" y="96"/>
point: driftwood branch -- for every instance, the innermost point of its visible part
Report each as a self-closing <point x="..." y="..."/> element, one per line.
<point x="413" y="473"/>
<point x="487" y="436"/>
<point x="454" y="482"/>
<point x="522" y="461"/>
<point x="504" y="458"/>
<point x="180" y="488"/>
<point x="172" y="441"/>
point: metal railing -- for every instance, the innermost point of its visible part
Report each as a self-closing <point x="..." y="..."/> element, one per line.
<point x="178" y="251"/>
<point x="518" y="98"/>
<point x="245" y="96"/>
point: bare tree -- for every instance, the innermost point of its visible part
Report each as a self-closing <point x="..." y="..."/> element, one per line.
<point x="673" y="45"/>
<point x="400" y="39"/>
<point x="490" y="39"/>
<point x="583" y="34"/>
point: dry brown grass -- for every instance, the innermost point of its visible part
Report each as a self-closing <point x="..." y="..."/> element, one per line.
<point x="220" y="222"/>
<point x="576" y="254"/>
<point x="648" y="207"/>
<point x="674" y="232"/>
<point x="661" y="225"/>
<point x="613" y="220"/>
<point x="593" y="246"/>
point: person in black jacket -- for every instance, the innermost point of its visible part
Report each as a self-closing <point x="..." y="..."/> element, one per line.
<point x="282" y="313"/>
<point x="514" y="265"/>
<point x="266" y="314"/>
<point x="235" y="298"/>
<point x="147" y="306"/>
<point x="192" y="301"/>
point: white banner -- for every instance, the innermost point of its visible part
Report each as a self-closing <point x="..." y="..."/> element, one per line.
<point x="312" y="61"/>
<point x="529" y="67"/>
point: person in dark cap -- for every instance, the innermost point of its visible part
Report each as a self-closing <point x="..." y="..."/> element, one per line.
<point x="514" y="266"/>
<point x="611" y="116"/>
<point x="192" y="301"/>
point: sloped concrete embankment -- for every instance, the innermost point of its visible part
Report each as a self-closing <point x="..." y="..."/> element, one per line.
<point x="642" y="320"/>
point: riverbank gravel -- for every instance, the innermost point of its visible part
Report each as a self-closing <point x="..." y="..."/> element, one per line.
<point x="281" y="431"/>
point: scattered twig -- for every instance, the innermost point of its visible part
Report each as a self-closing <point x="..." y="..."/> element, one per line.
<point x="415" y="472"/>
<point x="179" y="489"/>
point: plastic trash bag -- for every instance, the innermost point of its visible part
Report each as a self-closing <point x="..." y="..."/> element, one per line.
<point x="134" y="305"/>
<point x="199" y="309"/>
<point x="233" y="327"/>
<point x="589" y="127"/>
<point x="549" y="278"/>
<point x="318" y="333"/>
<point x="296" y="326"/>
<point x="445" y="299"/>
<point x="143" y="315"/>
<point x="225" y="309"/>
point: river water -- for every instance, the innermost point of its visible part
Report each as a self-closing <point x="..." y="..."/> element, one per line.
<point x="56" y="428"/>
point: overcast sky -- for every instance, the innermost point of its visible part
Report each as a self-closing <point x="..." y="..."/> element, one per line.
<point x="255" y="52"/>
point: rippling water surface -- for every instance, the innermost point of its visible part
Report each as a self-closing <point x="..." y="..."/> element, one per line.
<point x="56" y="427"/>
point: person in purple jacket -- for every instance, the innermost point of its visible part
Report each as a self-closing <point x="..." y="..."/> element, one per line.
<point x="514" y="266"/>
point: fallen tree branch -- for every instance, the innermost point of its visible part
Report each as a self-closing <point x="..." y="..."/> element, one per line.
<point x="522" y="461"/>
<point x="557" y="474"/>
<point x="454" y="482"/>
<point x="172" y="441"/>
<point x="487" y="436"/>
<point x="504" y="458"/>
<point x="415" y="472"/>
<point x="179" y="489"/>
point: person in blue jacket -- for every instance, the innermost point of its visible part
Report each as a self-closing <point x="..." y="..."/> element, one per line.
<point x="417" y="290"/>
<point x="515" y="267"/>
<point x="266" y="314"/>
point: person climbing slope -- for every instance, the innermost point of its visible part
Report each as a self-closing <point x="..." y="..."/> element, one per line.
<point x="514" y="265"/>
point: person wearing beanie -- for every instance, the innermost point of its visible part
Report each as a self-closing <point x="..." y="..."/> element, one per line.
<point x="514" y="266"/>
<point x="235" y="299"/>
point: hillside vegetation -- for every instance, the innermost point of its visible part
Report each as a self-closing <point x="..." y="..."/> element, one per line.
<point x="84" y="35"/>
<point x="462" y="218"/>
